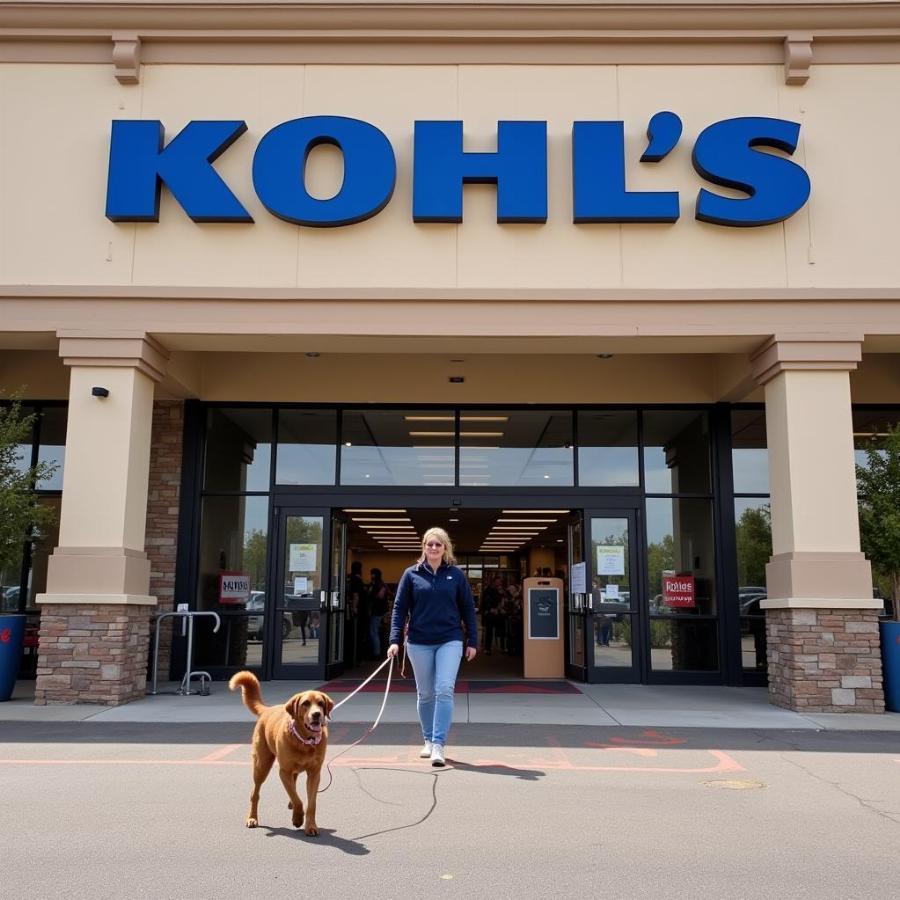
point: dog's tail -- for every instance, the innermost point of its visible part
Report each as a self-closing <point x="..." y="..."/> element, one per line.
<point x="250" y="693"/>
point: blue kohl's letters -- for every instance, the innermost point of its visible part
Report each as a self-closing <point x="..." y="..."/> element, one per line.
<point x="731" y="153"/>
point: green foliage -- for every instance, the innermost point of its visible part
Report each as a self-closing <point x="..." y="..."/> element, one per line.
<point x="753" y="534"/>
<point x="21" y="513"/>
<point x="878" y="488"/>
<point x="660" y="558"/>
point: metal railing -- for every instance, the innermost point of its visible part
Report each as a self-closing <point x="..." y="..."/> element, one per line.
<point x="187" y="628"/>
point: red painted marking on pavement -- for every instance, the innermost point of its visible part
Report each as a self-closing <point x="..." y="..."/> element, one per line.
<point x="724" y="763"/>
<point x="222" y="752"/>
<point x="652" y="738"/>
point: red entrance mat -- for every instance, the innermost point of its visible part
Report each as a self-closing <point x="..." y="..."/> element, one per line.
<point x="407" y="685"/>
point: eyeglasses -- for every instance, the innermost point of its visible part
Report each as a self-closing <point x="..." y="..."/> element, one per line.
<point x="434" y="544"/>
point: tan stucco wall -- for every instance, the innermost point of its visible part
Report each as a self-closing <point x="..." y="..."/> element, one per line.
<point x="54" y="136"/>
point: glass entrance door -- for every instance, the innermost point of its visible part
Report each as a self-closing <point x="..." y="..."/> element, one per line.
<point x="612" y="618"/>
<point x="306" y="595"/>
<point x="576" y="604"/>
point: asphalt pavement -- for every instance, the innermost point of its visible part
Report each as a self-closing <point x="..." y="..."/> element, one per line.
<point x="105" y="808"/>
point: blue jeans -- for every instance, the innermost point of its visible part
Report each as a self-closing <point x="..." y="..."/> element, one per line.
<point x="374" y="636"/>
<point x="435" y="667"/>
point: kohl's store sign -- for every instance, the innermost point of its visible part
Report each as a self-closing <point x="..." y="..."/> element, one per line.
<point x="730" y="153"/>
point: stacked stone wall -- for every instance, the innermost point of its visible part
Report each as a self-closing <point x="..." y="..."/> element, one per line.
<point x="92" y="653"/>
<point x="825" y="660"/>
<point x="163" y="495"/>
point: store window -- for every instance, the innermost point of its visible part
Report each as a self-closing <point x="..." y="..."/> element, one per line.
<point x="681" y="584"/>
<point x="752" y="530"/>
<point x="233" y="542"/>
<point x="52" y="445"/>
<point x="676" y="452"/>
<point x="608" y="448"/>
<point x="307" y="446"/>
<point x="398" y="447"/>
<point x="516" y="448"/>
<point x="238" y="449"/>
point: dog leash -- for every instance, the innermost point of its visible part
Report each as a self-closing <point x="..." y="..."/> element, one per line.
<point x="389" y="662"/>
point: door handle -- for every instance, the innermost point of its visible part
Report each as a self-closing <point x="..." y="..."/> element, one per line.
<point x="335" y="599"/>
<point x="323" y="600"/>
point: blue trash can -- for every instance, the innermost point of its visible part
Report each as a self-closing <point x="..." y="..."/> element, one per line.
<point x="12" y="639"/>
<point x="890" y="664"/>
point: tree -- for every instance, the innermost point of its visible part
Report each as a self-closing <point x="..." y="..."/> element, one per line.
<point x="878" y="489"/>
<point x="753" y="534"/>
<point x="21" y="512"/>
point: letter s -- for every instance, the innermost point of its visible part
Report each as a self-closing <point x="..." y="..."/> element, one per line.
<point x="724" y="154"/>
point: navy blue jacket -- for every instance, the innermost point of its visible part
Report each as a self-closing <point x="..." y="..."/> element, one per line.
<point x="436" y="603"/>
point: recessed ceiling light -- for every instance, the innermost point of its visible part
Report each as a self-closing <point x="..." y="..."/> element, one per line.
<point x="604" y="356"/>
<point x="431" y="434"/>
<point x="380" y="519"/>
<point x="312" y="355"/>
<point x="347" y="510"/>
<point x="521" y="521"/>
<point x="535" y="511"/>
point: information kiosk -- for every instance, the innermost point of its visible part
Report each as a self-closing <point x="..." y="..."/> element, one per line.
<point x="544" y="657"/>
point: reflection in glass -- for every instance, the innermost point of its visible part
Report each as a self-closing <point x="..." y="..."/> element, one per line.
<point x="398" y="447"/>
<point x="753" y="537"/>
<point x="52" y="448"/>
<point x="298" y="594"/>
<point x="676" y="452"/>
<point x="613" y="639"/>
<point x="307" y="446"/>
<point x="608" y="448"/>
<point x="680" y="557"/>
<point x="749" y="454"/>
<point x="530" y="448"/>
<point x="683" y="645"/>
<point x="233" y="538"/>
<point x="238" y="449"/>
<point x="870" y="426"/>
<point x="42" y="547"/>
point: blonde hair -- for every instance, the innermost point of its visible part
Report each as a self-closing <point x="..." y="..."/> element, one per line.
<point x="444" y="538"/>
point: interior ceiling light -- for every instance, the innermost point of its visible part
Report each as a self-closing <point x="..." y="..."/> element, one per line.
<point x="375" y="510"/>
<point x="431" y="434"/>
<point x="373" y="519"/>
<point x="480" y="434"/>
<point x="521" y="521"/>
<point x="534" y="511"/>
<point x="428" y="418"/>
<point x="523" y="529"/>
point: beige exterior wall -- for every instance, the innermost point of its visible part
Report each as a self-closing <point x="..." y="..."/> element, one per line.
<point x="53" y="230"/>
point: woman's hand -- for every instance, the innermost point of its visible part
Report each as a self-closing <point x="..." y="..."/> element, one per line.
<point x="393" y="650"/>
<point x="470" y="653"/>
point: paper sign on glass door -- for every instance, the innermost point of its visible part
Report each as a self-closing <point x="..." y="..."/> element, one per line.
<point x="611" y="560"/>
<point x="303" y="557"/>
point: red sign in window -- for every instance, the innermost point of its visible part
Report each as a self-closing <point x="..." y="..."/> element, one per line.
<point x="678" y="591"/>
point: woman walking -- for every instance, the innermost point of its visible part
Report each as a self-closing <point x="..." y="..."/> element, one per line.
<point x="436" y="597"/>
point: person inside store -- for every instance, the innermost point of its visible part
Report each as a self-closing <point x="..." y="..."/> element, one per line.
<point x="355" y="608"/>
<point x="434" y="599"/>
<point x="378" y="606"/>
<point x="491" y="599"/>
<point x="513" y="606"/>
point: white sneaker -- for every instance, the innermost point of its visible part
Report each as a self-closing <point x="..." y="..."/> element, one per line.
<point x="437" y="755"/>
<point x="425" y="752"/>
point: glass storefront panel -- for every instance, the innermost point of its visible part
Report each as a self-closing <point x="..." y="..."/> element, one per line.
<point x="608" y="448"/>
<point x="753" y="537"/>
<point x="749" y="454"/>
<point x="398" y="447"/>
<point x="680" y="557"/>
<point x="238" y="449"/>
<point x="233" y="540"/>
<point x="684" y="645"/>
<point x="298" y="599"/>
<point x="611" y="593"/>
<point x="307" y="446"/>
<point x="52" y="447"/>
<point x="676" y="452"/>
<point x="521" y="448"/>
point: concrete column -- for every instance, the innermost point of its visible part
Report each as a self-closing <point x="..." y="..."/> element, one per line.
<point x="821" y="617"/>
<point x="95" y="613"/>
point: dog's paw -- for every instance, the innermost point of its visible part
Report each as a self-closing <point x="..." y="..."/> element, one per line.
<point x="290" y="805"/>
<point x="251" y="822"/>
<point x="312" y="830"/>
<point x="297" y="818"/>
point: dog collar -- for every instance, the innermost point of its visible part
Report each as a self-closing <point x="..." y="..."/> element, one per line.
<point x="312" y="742"/>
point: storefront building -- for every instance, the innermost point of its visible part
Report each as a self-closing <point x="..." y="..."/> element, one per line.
<point x="592" y="276"/>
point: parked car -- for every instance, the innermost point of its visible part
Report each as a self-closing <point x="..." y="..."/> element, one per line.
<point x="749" y="597"/>
<point x="9" y="598"/>
<point x="256" y="606"/>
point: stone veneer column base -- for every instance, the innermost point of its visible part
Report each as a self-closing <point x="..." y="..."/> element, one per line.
<point x="825" y="660"/>
<point x="92" y="653"/>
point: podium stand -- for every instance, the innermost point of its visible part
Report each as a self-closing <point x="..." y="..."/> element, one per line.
<point x="542" y="627"/>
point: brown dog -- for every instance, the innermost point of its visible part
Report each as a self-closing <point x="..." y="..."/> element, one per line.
<point x="296" y="736"/>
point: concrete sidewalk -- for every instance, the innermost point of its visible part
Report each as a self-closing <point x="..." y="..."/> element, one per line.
<point x="609" y="705"/>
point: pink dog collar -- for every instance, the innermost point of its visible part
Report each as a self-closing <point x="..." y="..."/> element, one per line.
<point x="311" y="742"/>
